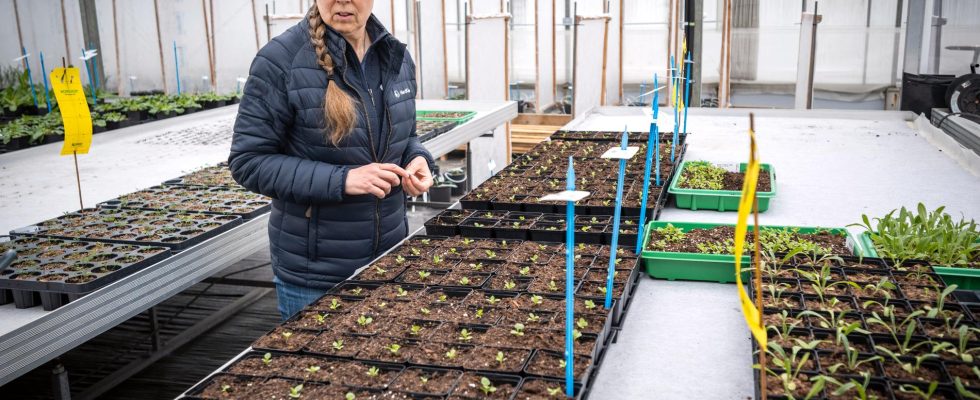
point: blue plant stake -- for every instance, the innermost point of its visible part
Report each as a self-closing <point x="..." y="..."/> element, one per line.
<point x="95" y="66"/>
<point x="616" y="216"/>
<point x="30" y="78"/>
<point x="177" y="67"/>
<point x="569" y="279"/>
<point x="674" y="96"/>
<point x="656" y="98"/>
<point x="652" y="140"/>
<point x="687" y="90"/>
<point x="44" y="78"/>
<point x="91" y="83"/>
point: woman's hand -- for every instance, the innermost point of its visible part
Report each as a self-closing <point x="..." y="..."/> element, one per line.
<point x="375" y="179"/>
<point x="420" y="178"/>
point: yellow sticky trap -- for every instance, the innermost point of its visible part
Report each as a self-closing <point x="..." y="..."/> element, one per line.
<point x="67" y="86"/>
<point x="752" y="316"/>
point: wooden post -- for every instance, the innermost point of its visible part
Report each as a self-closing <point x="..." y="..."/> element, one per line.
<point x="207" y="40"/>
<point x="255" y="23"/>
<point x="64" y="28"/>
<point x="758" y="274"/>
<point x="115" y="35"/>
<point x="605" y="45"/>
<point x="78" y="179"/>
<point x="622" y="22"/>
<point x="163" y="68"/>
<point x="724" y="79"/>
<point x="20" y="36"/>
<point x="214" y="50"/>
<point x="445" y="54"/>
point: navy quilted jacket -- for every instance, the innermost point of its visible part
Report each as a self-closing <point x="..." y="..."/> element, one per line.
<point x="318" y="235"/>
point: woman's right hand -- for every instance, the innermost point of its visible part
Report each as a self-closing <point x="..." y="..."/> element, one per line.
<point x="375" y="179"/>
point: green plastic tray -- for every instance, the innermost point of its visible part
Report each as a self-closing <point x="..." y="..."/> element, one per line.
<point x="422" y="115"/>
<point x="707" y="267"/>
<point x="963" y="278"/>
<point x="721" y="200"/>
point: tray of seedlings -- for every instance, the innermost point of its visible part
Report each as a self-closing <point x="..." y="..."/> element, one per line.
<point x="951" y="246"/>
<point x="614" y="136"/>
<point x="429" y="129"/>
<point x="214" y="200"/>
<point x="521" y="225"/>
<point x="52" y="272"/>
<point x="542" y="171"/>
<point x="845" y="327"/>
<point x="459" y="117"/>
<point x="439" y="318"/>
<point x="705" y="251"/>
<point x="176" y="230"/>
<point x="701" y="185"/>
<point x="215" y="175"/>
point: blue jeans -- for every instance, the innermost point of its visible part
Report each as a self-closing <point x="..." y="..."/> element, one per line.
<point x="292" y="298"/>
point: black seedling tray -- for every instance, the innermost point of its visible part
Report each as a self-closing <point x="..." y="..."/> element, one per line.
<point x="176" y="230"/>
<point x="213" y="176"/>
<point x="58" y="262"/>
<point x="214" y="200"/>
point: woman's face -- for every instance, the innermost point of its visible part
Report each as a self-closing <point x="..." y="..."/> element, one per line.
<point x="345" y="16"/>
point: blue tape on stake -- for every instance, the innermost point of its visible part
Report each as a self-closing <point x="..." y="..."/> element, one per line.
<point x="569" y="279"/>
<point x="30" y="78"/>
<point x="91" y="83"/>
<point x="177" y="67"/>
<point x="44" y="78"/>
<point x="651" y="142"/>
<point x="616" y="216"/>
<point x="674" y="98"/>
<point x="687" y="90"/>
<point x="656" y="97"/>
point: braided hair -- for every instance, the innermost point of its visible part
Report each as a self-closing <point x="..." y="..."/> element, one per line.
<point x="338" y="105"/>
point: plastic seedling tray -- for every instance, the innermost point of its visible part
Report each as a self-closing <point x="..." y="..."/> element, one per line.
<point x="176" y="230"/>
<point x="215" y="200"/>
<point x="218" y="175"/>
<point x="47" y="269"/>
<point x="708" y="267"/>
<point x="963" y="278"/>
<point x="721" y="200"/>
<point x="459" y="117"/>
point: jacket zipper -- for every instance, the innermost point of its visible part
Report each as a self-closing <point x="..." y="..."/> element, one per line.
<point x="377" y="202"/>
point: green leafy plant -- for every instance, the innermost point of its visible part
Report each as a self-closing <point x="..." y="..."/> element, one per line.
<point x="267" y="359"/>
<point x="499" y="358"/>
<point x="296" y="391"/>
<point x="518" y="329"/>
<point x="394" y="348"/>
<point x="465" y="335"/>
<point x="338" y="344"/>
<point x="924" y="235"/>
<point x="702" y="175"/>
<point x="373" y="372"/>
<point x="486" y="386"/>
<point x="364" y="320"/>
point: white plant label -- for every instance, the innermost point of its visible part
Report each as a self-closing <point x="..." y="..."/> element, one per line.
<point x="567" y="195"/>
<point x="620" y="153"/>
<point x="491" y="165"/>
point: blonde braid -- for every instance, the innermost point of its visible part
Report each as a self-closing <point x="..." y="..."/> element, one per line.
<point x="338" y="106"/>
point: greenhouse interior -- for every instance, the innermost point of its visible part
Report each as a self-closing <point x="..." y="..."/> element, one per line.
<point x="342" y="199"/>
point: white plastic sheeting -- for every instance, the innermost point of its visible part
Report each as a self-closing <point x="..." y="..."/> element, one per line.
<point x="589" y="52"/>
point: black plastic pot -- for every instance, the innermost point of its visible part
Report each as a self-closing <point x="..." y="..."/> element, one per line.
<point x="441" y="193"/>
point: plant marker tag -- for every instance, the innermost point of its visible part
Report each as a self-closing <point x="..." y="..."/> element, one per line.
<point x="617" y="153"/>
<point x="491" y="165"/>
<point x="653" y="141"/>
<point x="75" y="114"/>
<point x="616" y="214"/>
<point x="752" y="316"/>
<point x="567" y="195"/>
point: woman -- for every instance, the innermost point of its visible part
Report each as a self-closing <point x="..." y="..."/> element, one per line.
<point x="326" y="127"/>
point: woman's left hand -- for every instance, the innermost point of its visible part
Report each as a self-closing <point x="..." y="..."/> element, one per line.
<point x="420" y="178"/>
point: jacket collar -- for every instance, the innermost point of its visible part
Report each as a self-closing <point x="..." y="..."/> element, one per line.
<point x="338" y="46"/>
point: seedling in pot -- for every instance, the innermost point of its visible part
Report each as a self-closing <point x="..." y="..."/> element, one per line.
<point x="492" y="300"/>
<point x="589" y="305"/>
<point x="852" y="361"/>
<point x="862" y="388"/>
<point x="961" y="349"/>
<point x="509" y="284"/>
<point x="267" y="359"/>
<point x="465" y="335"/>
<point x="792" y="364"/>
<point x="452" y="354"/>
<point x="518" y="329"/>
<point x="821" y="281"/>
<point x="415" y="330"/>
<point x="423" y="275"/>
<point x="373" y="372"/>
<point x="906" y="328"/>
<point x="296" y="391"/>
<point x="836" y="321"/>
<point x="338" y="344"/>
<point x="364" y="320"/>
<point x="394" y="348"/>
<point x="401" y="292"/>
<point x="286" y="335"/>
<point x="917" y="391"/>
<point x="486" y="386"/>
<point x="334" y="304"/>
<point x="350" y="396"/>
<point x="312" y="369"/>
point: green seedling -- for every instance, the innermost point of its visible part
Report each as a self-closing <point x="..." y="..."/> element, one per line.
<point x="312" y="369"/>
<point x="518" y="329"/>
<point x="536" y="300"/>
<point x="415" y="330"/>
<point x="296" y="391"/>
<point x="364" y="320"/>
<point x="532" y="317"/>
<point x="452" y="353"/>
<point x="464" y="281"/>
<point x="373" y="372"/>
<point x="465" y="335"/>
<point x="338" y="344"/>
<point x="500" y="357"/>
<point x="380" y="271"/>
<point x="225" y="388"/>
<point x="423" y="275"/>
<point x="425" y="311"/>
<point x="589" y="304"/>
<point x="350" y="396"/>
<point x="267" y="359"/>
<point x="509" y="285"/>
<point x="334" y="304"/>
<point x="401" y="292"/>
<point x="493" y="299"/>
<point x="486" y="386"/>
<point x="394" y="348"/>
<point x="479" y="313"/>
<point x="286" y="335"/>
<point x="524" y="271"/>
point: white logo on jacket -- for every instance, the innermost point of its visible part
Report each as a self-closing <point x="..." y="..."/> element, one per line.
<point x="399" y="93"/>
